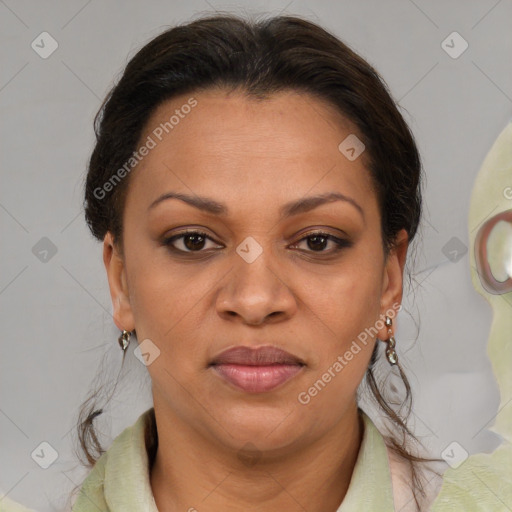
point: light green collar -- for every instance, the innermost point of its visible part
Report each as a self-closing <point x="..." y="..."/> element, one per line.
<point x="119" y="482"/>
<point x="370" y="486"/>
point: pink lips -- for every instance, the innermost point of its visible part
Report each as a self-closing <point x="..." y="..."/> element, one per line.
<point x="256" y="370"/>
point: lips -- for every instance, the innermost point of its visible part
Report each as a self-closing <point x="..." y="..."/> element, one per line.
<point x="256" y="370"/>
<point x="260" y="356"/>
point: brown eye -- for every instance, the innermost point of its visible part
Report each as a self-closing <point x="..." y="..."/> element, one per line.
<point x="189" y="241"/>
<point x="317" y="242"/>
<point x="194" y="242"/>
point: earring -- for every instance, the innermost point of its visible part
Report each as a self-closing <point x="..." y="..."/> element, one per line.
<point x="124" y="340"/>
<point x="391" y="354"/>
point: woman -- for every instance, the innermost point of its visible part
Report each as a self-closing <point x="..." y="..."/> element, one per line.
<point x="256" y="191"/>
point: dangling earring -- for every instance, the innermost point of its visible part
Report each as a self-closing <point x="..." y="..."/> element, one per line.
<point x="391" y="354"/>
<point x="124" y="340"/>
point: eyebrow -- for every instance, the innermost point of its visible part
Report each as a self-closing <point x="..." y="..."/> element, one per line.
<point x="288" y="210"/>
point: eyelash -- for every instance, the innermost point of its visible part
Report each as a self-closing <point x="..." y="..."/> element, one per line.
<point x="340" y="243"/>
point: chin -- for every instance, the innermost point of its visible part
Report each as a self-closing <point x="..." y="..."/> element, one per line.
<point x="266" y="427"/>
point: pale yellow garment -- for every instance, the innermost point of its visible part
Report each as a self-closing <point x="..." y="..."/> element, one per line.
<point x="119" y="482"/>
<point x="8" y="505"/>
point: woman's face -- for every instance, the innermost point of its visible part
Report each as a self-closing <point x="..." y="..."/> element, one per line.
<point x="258" y="276"/>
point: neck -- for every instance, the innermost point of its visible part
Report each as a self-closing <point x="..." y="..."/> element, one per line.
<point x="192" y="472"/>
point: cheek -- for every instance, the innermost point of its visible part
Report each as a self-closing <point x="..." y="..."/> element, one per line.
<point x="344" y="340"/>
<point x="340" y="313"/>
<point x="343" y="301"/>
<point x="171" y="303"/>
<point x="156" y="291"/>
<point x="340" y="300"/>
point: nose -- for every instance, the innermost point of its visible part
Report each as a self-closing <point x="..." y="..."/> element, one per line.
<point x="255" y="293"/>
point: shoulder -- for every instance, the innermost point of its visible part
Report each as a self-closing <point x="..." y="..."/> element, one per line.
<point x="121" y="473"/>
<point x="483" y="482"/>
<point x="8" y="505"/>
<point x="92" y="490"/>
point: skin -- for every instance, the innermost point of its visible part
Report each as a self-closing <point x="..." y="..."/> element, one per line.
<point x="253" y="156"/>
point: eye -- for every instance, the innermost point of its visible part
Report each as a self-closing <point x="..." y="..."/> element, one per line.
<point x="317" y="242"/>
<point x="196" y="241"/>
<point x="190" y="241"/>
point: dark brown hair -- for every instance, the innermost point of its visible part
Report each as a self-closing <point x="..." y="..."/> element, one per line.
<point x="259" y="57"/>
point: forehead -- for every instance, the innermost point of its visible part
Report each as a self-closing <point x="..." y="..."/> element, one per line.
<point x="227" y="142"/>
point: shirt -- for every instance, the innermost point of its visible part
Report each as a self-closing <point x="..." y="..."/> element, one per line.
<point x="119" y="481"/>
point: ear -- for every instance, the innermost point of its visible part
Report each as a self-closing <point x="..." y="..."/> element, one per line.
<point x="116" y="273"/>
<point x="392" y="285"/>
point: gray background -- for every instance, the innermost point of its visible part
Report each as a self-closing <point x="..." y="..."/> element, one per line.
<point x="55" y="308"/>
